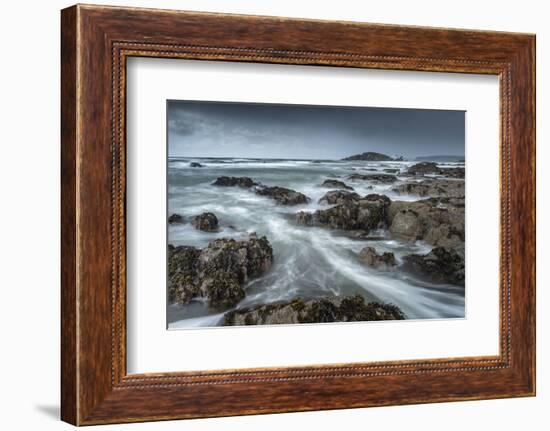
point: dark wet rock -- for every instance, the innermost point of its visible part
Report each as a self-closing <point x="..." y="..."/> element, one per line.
<point x="218" y="272"/>
<point x="375" y="178"/>
<point x="223" y="290"/>
<point x="244" y="259"/>
<point x="370" y="157"/>
<point x="320" y="310"/>
<point x="176" y="219"/>
<point x="207" y="222"/>
<point x="336" y="184"/>
<point x="364" y="214"/>
<point x="375" y="197"/>
<point x="182" y="261"/>
<point x="453" y="172"/>
<point x="439" y="222"/>
<point x="195" y="165"/>
<point x="243" y="182"/>
<point x="423" y="168"/>
<point x="442" y="264"/>
<point x="305" y="218"/>
<point x="182" y="288"/>
<point x="335" y="197"/>
<point x="431" y="187"/>
<point x="370" y="257"/>
<point x="283" y="195"/>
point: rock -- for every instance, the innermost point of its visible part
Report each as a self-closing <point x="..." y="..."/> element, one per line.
<point x="218" y="272"/>
<point x="438" y="221"/>
<point x="223" y="290"/>
<point x="243" y="182"/>
<point x="335" y="197"/>
<point x="441" y="264"/>
<point x="182" y="260"/>
<point x="364" y="214"/>
<point x="283" y="195"/>
<point x="432" y="187"/>
<point x="375" y="178"/>
<point x="360" y="215"/>
<point x="320" y="310"/>
<point x="370" y="157"/>
<point x="336" y="184"/>
<point x="207" y="222"/>
<point x="370" y="258"/>
<point x="453" y="172"/>
<point x="243" y="259"/>
<point x="423" y="168"/>
<point x="176" y="219"/>
<point x="305" y="218"/>
<point x="375" y="197"/>
<point x="195" y="165"/>
<point x="406" y="224"/>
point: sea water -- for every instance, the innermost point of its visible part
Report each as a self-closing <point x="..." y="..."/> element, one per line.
<point x="309" y="262"/>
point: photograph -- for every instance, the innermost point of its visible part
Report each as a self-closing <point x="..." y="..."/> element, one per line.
<point x="287" y="214"/>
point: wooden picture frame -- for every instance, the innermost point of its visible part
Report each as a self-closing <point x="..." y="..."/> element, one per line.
<point x="95" y="43"/>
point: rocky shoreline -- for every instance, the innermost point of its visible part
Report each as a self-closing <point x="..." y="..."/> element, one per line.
<point x="320" y="310"/>
<point x="218" y="274"/>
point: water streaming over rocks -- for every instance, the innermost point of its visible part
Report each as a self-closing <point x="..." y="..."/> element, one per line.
<point x="318" y="260"/>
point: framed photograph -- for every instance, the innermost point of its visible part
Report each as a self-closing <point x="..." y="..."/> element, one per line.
<point x="265" y="215"/>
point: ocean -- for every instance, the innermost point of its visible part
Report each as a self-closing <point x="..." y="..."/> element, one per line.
<point x="309" y="262"/>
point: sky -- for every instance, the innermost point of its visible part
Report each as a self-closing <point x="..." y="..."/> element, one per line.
<point x="261" y="130"/>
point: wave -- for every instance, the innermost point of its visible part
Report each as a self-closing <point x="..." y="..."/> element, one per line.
<point x="308" y="261"/>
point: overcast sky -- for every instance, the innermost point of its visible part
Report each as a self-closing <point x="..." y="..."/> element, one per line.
<point x="214" y="129"/>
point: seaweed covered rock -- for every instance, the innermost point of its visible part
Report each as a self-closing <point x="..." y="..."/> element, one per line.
<point x="244" y="182"/>
<point x="363" y="214"/>
<point x="438" y="221"/>
<point x="243" y="259"/>
<point x="282" y="195"/>
<point x="336" y="184"/>
<point x="336" y="197"/>
<point x="195" y="165"/>
<point x="441" y="264"/>
<point x="223" y="290"/>
<point x="457" y="172"/>
<point x="423" y="168"/>
<point x="319" y="310"/>
<point x="360" y="215"/>
<point x="218" y="272"/>
<point x="305" y="218"/>
<point x="207" y="222"/>
<point x="182" y="286"/>
<point x="374" y="178"/>
<point x="370" y="257"/>
<point x="432" y="187"/>
<point x="176" y="219"/>
<point x="381" y="199"/>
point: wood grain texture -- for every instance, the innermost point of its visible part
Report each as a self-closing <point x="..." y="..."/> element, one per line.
<point x="69" y="397"/>
<point x="96" y="41"/>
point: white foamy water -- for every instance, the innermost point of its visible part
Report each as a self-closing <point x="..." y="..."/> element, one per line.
<point x="308" y="262"/>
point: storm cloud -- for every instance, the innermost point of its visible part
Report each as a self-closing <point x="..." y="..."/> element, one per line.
<point x="221" y="129"/>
